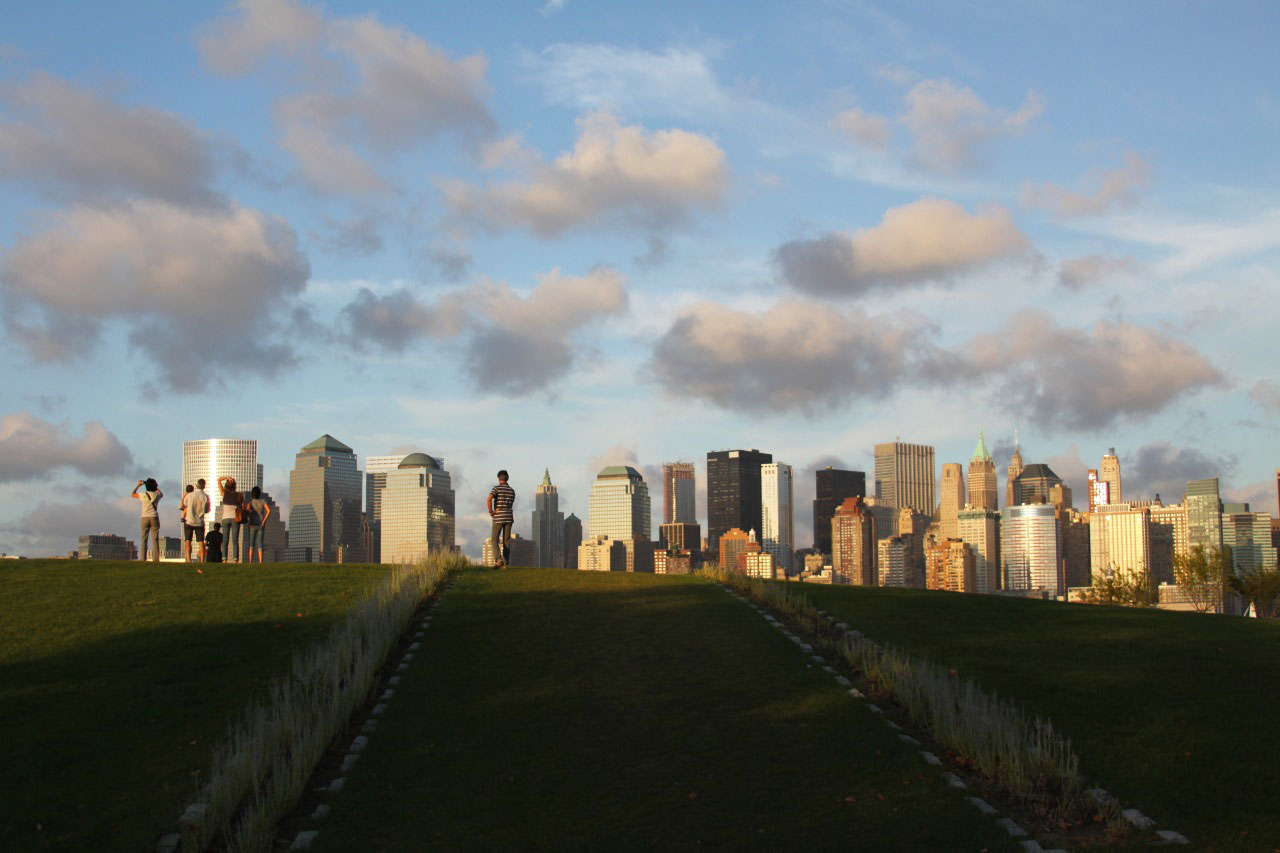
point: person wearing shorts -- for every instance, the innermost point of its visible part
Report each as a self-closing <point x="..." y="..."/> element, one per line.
<point x="502" y="501"/>
<point x="195" y="503"/>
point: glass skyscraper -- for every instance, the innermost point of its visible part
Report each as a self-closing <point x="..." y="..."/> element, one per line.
<point x="619" y="505"/>
<point x="324" y="500"/>
<point x="733" y="492"/>
<point x="832" y="486"/>
<point x="679" y="505"/>
<point x="1031" y="548"/>
<point x="1204" y="514"/>
<point x="777" y="526"/>
<point x="210" y="458"/>
<point x="417" y="510"/>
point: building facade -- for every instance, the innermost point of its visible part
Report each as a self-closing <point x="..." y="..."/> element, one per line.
<point x="375" y="480"/>
<point x="1204" y="514"/>
<point x="853" y="544"/>
<point x="904" y="475"/>
<point x="777" y="527"/>
<point x="672" y="561"/>
<point x="831" y="487"/>
<point x="1248" y="535"/>
<point x="679" y="493"/>
<point x="984" y="490"/>
<point x="893" y="563"/>
<point x="548" y="525"/>
<point x="951" y="499"/>
<point x="682" y="537"/>
<point x="572" y="539"/>
<point x="1109" y="473"/>
<point x="418" y="518"/>
<point x="1120" y="542"/>
<point x="1031" y="549"/>
<point x="210" y="458"/>
<point x="951" y="566"/>
<point x="733" y="492"/>
<point x="734" y="543"/>
<point x="324" y="499"/>
<point x="1035" y="485"/>
<point x="980" y="529"/>
<point x="1168" y="539"/>
<point x="1012" y="472"/>
<point x="619" y="504"/>
<point x="106" y="546"/>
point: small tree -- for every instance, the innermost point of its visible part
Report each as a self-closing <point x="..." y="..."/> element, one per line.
<point x="1203" y="574"/>
<point x="1262" y="588"/>
<point x="1127" y="589"/>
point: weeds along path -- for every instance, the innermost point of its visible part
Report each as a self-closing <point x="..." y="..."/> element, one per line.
<point x="553" y="708"/>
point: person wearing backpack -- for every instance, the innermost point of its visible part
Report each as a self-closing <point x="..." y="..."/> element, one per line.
<point x="257" y="511"/>
<point x="150" y="517"/>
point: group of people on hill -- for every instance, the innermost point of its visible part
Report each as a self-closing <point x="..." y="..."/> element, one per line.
<point x="244" y="515"/>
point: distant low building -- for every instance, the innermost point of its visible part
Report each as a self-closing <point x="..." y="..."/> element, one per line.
<point x="759" y="564"/>
<point x="673" y="562"/>
<point x="524" y="552"/>
<point x="106" y="546"/>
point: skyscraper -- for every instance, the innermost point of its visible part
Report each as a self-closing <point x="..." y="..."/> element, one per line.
<point x="324" y="499"/>
<point x="1099" y="490"/>
<point x="619" y="504"/>
<point x="904" y="475"/>
<point x="1034" y="485"/>
<point x="733" y="492"/>
<point x="1015" y="468"/>
<point x="1109" y="473"/>
<point x="984" y="492"/>
<point x="893" y="562"/>
<point x="832" y="487"/>
<point x="210" y="458"/>
<point x="1120" y="542"/>
<point x="679" y="484"/>
<point x="1204" y="514"/>
<point x="548" y="525"/>
<point x="418" y="518"/>
<point x="1031" y="548"/>
<point x="1168" y="539"/>
<point x="950" y="566"/>
<point x="853" y="544"/>
<point x="1248" y="535"/>
<point x="980" y="528"/>
<point x="951" y="499"/>
<point x="777" y="530"/>
<point x="375" y="480"/>
<point x="572" y="538"/>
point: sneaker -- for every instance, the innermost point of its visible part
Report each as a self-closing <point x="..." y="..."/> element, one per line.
<point x="501" y="564"/>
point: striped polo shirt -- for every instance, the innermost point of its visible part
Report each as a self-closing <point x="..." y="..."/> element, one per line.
<point x="504" y="497"/>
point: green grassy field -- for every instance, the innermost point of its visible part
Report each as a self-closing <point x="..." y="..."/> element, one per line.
<point x="117" y="679"/>
<point x="1175" y="713"/>
<point x="560" y="709"/>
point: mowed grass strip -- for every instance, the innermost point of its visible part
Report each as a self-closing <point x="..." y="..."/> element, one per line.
<point x="1174" y="713"/>
<point x="117" y="679"/>
<point x="562" y="709"/>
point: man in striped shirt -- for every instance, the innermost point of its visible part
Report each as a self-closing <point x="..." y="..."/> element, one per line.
<point x="501" y="500"/>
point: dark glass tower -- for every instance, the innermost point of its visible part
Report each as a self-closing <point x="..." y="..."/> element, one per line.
<point x="733" y="492"/>
<point x="832" y="487"/>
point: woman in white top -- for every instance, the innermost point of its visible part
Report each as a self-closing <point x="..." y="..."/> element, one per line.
<point x="150" y="517"/>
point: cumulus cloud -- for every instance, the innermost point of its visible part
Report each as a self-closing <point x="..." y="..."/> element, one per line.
<point x="385" y="88"/>
<point x="1079" y="273"/>
<point x="616" y="174"/>
<point x="51" y="529"/>
<point x="927" y="240"/>
<point x="1114" y="189"/>
<point x="31" y="447"/>
<point x="867" y="129"/>
<point x="1266" y="393"/>
<point x="797" y="355"/>
<point x="1084" y="378"/>
<point x="513" y="342"/>
<point x="1160" y="468"/>
<point x="73" y="142"/>
<point x="197" y="288"/>
<point x="949" y="123"/>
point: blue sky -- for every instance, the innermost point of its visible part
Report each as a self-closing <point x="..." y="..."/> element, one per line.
<point x="572" y="234"/>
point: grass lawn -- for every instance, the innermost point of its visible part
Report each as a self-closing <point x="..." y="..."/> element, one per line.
<point x="561" y="709"/>
<point x="117" y="679"/>
<point x="1175" y="713"/>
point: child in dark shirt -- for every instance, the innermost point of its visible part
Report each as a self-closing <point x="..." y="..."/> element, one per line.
<point x="213" y="544"/>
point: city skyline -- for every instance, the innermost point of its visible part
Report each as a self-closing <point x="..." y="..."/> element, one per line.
<point x="567" y="236"/>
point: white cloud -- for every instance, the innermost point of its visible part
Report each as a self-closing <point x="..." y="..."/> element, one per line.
<point x="926" y="240"/>
<point x="949" y="123"/>
<point x="616" y="174"/>
<point x="864" y="128"/>
<point x="236" y="45"/>
<point x="31" y="448"/>
<point x="1115" y="189"/>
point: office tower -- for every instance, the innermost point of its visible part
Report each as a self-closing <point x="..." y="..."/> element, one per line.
<point x="681" y="537"/>
<point x="1120" y="542"/>
<point x="1248" y="535"/>
<point x="984" y="491"/>
<point x="619" y="504"/>
<point x="893" y="555"/>
<point x="548" y="525"/>
<point x="1031" y="548"/>
<point x="886" y="517"/>
<point x="1099" y="491"/>
<point x="733" y="492"/>
<point x="832" y="487"/>
<point x="1034" y="485"/>
<point x="1168" y="539"/>
<point x="375" y="480"/>
<point x="572" y="538"/>
<point x="777" y="529"/>
<point x="951" y="566"/>
<point x="951" y="499"/>
<point x="913" y="526"/>
<point x="734" y="542"/>
<point x="1109" y="473"/>
<point x="1204" y="514"/>
<point x="418" y="518"/>
<point x="853" y="544"/>
<point x="1077" y="569"/>
<point x="210" y="458"/>
<point x="679" y="502"/>
<point x="904" y="475"/>
<point x="980" y="528"/>
<point x="1015" y="468"/>
<point x="324" y="499"/>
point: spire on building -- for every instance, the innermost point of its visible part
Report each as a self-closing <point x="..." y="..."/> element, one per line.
<point x="546" y="476"/>
<point x="980" y="453"/>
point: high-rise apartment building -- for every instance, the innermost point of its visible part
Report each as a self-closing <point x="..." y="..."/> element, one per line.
<point x="1031" y="548"/>
<point x="1168" y="539"/>
<point x="951" y="499"/>
<point x="375" y="480"/>
<point x="210" y="458"/>
<point x="831" y="487"/>
<point x="1014" y="469"/>
<point x="980" y="529"/>
<point x="619" y="504"/>
<point x="951" y="566"/>
<point x="904" y="475"/>
<point x="418" y="517"/>
<point x="853" y="544"/>
<point x="893" y="556"/>
<point x="984" y="491"/>
<point x="324" y="500"/>
<point x="1204" y="514"/>
<point x="733" y="492"/>
<point x="777" y="528"/>
<point x="1109" y="473"/>
<point x="1120" y="542"/>
<point x="572" y="538"/>
<point x="679" y="486"/>
<point x="733" y="544"/>
<point x="759" y="564"/>
<point x="548" y="525"/>
<point x="1248" y="535"/>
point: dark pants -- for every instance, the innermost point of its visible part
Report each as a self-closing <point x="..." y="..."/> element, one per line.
<point x="502" y="533"/>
